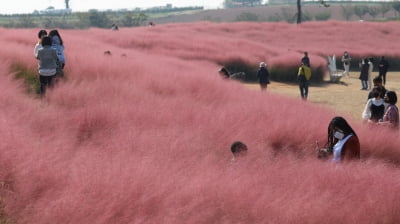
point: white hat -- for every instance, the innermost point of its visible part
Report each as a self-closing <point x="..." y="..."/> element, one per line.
<point x="263" y="64"/>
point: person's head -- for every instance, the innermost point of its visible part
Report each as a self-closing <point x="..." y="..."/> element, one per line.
<point x="390" y="97"/>
<point x="383" y="57"/>
<point x="377" y="91"/>
<point x="42" y="33"/>
<point x="238" y="149"/>
<point x="46" y="41"/>
<point x="305" y="53"/>
<point x="377" y="81"/>
<point x="55" y="33"/>
<point x="224" y="72"/>
<point x="263" y="65"/>
<point x="366" y="60"/>
<point x="338" y="128"/>
<point x="345" y="53"/>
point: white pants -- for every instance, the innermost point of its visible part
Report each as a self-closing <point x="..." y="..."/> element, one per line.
<point x="346" y="69"/>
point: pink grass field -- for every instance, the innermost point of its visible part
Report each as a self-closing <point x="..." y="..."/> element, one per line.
<point x="144" y="135"/>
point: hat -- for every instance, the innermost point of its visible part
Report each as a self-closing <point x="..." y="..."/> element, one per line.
<point x="263" y="64"/>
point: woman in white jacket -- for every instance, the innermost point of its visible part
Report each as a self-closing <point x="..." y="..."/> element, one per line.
<point x="375" y="107"/>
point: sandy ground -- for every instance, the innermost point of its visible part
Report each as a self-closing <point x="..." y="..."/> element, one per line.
<point x="344" y="97"/>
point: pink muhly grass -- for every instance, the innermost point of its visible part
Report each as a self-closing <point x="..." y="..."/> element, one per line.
<point x="143" y="135"/>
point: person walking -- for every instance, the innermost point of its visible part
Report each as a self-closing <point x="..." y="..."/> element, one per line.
<point x="47" y="57"/>
<point x="346" y="63"/>
<point x="383" y="67"/>
<point x="303" y="77"/>
<point x="263" y="76"/>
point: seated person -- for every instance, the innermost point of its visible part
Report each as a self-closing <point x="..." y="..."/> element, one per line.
<point x="342" y="142"/>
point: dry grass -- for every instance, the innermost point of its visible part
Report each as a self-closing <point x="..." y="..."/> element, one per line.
<point x="344" y="97"/>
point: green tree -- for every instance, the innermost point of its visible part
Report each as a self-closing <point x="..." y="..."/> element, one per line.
<point x="396" y="6"/>
<point x="360" y="10"/>
<point x="67" y="4"/>
<point x="306" y="16"/>
<point x="130" y="19"/>
<point x="323" y="16"/>
<point x="373" y="11"/>
<point x="347" y="11"/>
<point x="384" y="8"/>
<point x="98" y="19"/>
<point x="288" y="14"/>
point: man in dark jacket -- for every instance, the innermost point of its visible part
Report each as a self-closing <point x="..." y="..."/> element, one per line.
<point x="263" y="76"/>
<point x="383" y="68"/>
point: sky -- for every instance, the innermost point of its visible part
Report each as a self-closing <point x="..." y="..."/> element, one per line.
<point x="28" y="6"/>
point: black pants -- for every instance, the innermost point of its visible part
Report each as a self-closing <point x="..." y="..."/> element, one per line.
<point x="303" y="86"/>
<point x="45" y="82"/>
<point x="382" y="74"/>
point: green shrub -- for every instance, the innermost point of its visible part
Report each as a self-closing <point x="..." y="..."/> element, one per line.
<point x="323" y="16"/>
<point x="30" y="78"/>
<point x="247" y="16"/>
<point x="289" y="74"/>
<point x="277" y="73"/>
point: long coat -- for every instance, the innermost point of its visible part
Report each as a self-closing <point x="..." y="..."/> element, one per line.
<point x="263" y="75"/>
<point x="364" y="72"/>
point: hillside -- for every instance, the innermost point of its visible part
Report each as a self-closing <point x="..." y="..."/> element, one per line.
<point x="143" y="134"/>
<point x="264" y="13"/>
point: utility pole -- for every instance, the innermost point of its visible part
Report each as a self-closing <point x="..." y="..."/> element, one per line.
<point x="298" y="11"/>
<point x="67" y="4"/>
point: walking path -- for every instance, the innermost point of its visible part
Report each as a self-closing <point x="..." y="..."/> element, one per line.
<point x="344" y="97"/>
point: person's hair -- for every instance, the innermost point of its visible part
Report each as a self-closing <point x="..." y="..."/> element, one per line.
<point x="366" y="60"/>
<point x="225" y="72"/>
<point x="340" y="123"/>
<point x="238" y="147"/>
<point x="42" y="33"/>
<point x="377" y="91"/>
<point x="305" y="53"/>
<point x="377" y="79"/>
<point x="46" y="41"/>
<point x="392" y="97"/>
<point x="53" y="33"/>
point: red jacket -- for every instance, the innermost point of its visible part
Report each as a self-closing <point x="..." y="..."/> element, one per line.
<point x="351" y="149"/>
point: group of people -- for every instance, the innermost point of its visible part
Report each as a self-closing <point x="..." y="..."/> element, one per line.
<point x="381" y="106"/>
<point x="49" y="50"/>
<point x="343" y="142"/>
<point x="367" y="66"/>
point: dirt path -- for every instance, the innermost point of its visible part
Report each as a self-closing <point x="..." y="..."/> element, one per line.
<point x="344" y="97"/>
